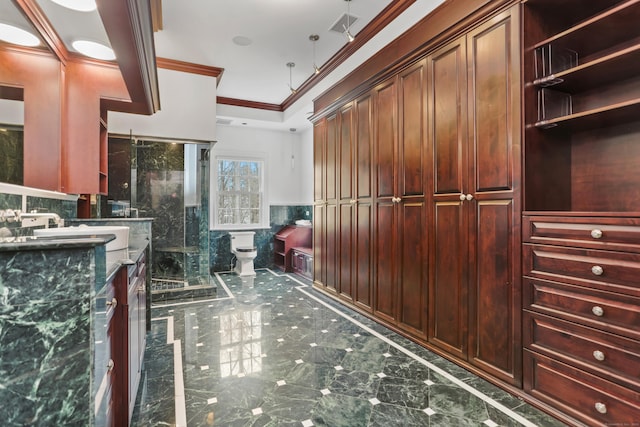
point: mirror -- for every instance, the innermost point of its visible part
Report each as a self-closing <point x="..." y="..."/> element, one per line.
<point x="11" y="140"/>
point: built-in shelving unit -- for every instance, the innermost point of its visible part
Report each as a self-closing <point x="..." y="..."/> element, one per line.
<point x="581" y="256"/>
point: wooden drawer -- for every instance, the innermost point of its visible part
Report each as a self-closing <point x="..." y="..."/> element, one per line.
<point x="607" y="311"/>
<point x="612" y="271"/>
<point x="593" y="400"/>
<point x="603" y="354"/>
<point x="619" y="234"/>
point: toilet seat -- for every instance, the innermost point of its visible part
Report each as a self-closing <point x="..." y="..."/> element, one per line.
<point x="248" y="249"/>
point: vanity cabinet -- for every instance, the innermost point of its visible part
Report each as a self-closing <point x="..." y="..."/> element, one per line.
<point x="130" y="326"/>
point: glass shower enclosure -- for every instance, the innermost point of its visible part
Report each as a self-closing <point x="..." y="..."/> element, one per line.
<point x="167" y="180"/>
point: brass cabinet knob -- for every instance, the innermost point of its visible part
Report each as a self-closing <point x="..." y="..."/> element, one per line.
<point x="598" y="355"/>
<point x="113" y="303"/>
<point x="597" y="270"/>
<point x="596" y="234"/>
<point x="597" y="310"/>
<point x="463" y="197"/>
<point x="469" y="196"/>
<point x="601" y="407"/>
<point x="110" y="365"/>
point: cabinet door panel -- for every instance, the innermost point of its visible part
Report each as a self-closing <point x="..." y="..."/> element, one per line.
<point x="412" y="120"/>
<point x="385" y="281"/>
<point x="331" y="249"/>
<point x="447" y="112"/>
<point x="345" y="246"/>
<point x="362" y="255"/>
<point x="363" y="148"/>
<point x="345" y="152"/>
<point x="413" y="269"/>
<point x="319" y="243"/>
<point x="489" y="82"/>
<point x="495" y="298"/>
<point x="331" y="157"/>
<point x="385" y="138"/>
<point x="448" y="287"/>
<point x="319" y="165"/>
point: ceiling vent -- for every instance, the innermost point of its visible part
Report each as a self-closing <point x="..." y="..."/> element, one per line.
<point x="223" y="121"/>
<point x="345" y="21"/>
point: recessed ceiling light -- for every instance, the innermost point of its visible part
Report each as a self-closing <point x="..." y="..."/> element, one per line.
<point x="15" y="35"/>
<point x="79" y="5"/>
<point x="242" y="40"/>
<point x="94" y="50"/>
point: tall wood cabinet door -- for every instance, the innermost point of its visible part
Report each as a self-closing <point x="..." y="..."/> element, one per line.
<point x="319" y="196"/>
<point x="448" y="225"/>
<point x="494" y="132"/>
<point x="385" y="217"/>
<point x="330" y="229"/>
<point x="346" y="202"/>
<point x="363" y="209"/>
<point x="412" y="209"/>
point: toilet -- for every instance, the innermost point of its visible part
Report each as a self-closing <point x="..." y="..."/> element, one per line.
<point x="245" y="252"/>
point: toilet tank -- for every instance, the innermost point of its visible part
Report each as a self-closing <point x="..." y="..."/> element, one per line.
<point x="241" y="239"/>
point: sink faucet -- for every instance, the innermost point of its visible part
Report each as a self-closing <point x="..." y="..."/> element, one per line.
<point x="33" y="219"/>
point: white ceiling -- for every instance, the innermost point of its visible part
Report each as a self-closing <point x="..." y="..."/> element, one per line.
<point x="202" y="32"/>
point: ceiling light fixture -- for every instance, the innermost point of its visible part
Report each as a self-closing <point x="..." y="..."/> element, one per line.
<point x="79" y="5"/>
<point x="291" y="65"/>
<point x="94" y="50"/>
<point x="347" y="28"/>
<point x="15" y="35"/>
<point x="314" y="38"/>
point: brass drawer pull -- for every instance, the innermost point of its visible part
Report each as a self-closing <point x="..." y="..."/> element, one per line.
<point x="598" y="311"/>
<point x="598" y="355"/>
<point x="597" y="270"/>
<point x="601" y="407"/>
<point x="596" y="234"/>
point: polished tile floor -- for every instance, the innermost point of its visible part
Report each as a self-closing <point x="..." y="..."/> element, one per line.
<point x="272" y="351"/>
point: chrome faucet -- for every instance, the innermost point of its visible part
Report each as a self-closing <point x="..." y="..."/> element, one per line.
<point x="33" y="219"/>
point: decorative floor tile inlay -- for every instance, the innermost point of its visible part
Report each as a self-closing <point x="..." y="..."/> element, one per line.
<point x="327" y="366"/>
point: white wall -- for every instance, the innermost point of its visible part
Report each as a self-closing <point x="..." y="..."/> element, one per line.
<point x="187" y="109"/>
<point x="288" y="183"/>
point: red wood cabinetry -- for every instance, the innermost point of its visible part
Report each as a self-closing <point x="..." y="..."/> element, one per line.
<point x="474" y="138"/>
<point x="285" y="240"/>
<point x="581" y="253"/>
<point x="441" y="269"/>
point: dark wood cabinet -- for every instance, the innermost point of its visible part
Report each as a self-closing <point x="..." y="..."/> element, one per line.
<point x="285" y="240"/>
<point x="580" y="226"/>
<point x="475" y="142"/>
<point x="302" y="261"/>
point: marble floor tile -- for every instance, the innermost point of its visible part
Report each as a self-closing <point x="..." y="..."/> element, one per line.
<point x="272" y="351"/>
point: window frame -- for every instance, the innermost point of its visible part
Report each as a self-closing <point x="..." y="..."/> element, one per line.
<point x="238" y="156"/>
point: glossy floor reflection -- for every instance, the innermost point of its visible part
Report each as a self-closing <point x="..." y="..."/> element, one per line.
<point x="271" y="351"/>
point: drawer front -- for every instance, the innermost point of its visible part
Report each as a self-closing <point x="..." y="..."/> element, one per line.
<point x="613" y="271"/>
<point x="603" y="354"/>
<point x="607" y="311"/>
<point x="593" y="400"/>
<point x="621" y="234"/>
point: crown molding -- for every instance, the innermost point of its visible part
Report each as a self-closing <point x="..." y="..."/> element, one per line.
<point x="190" y="67"/>
<point x="36" y="16"/>
<point x="248" y="104"/>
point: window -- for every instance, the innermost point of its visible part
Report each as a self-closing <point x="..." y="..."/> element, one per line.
<point x="239" y="197"/>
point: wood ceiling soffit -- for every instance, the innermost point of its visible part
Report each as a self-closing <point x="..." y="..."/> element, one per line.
<point x="128" y="24"/>
<point x="248" y="104"/>
<point x="189" y="67"/>
<point x="36" y="16"/>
